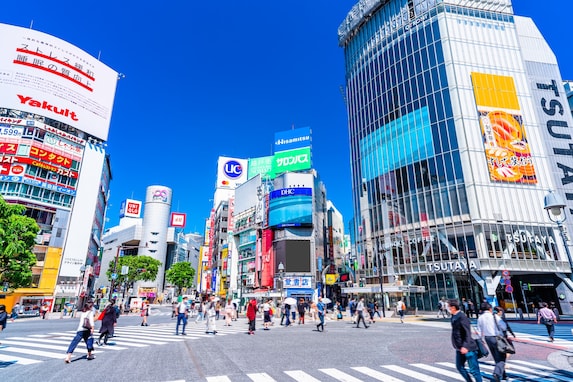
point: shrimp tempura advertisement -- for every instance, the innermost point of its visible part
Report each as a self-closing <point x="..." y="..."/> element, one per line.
<point x="501" y="122"/>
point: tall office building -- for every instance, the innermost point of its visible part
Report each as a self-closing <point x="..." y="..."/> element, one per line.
<point x="459" y="127"/>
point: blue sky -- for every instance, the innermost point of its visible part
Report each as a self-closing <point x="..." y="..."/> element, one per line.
<point x="205" y="79"/>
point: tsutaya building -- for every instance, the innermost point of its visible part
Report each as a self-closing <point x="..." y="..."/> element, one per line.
<point x="459" y="127"/>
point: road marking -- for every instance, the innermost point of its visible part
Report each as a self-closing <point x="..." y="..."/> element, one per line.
<point x="299" y="375"/>
<point x="437" y="370"/>
<point x="260" y="377"/>
<point x="339" y="375"/>
<point x="222" y="378"/>
<point x="32" y="352"/>
<point x="20" y="360"/>
<point x="412" y="373"/>
<point x="376" y="374"/>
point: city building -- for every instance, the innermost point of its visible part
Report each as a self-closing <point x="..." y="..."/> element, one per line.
<point x="55" y="111"/>
<point x="459" y="127"/>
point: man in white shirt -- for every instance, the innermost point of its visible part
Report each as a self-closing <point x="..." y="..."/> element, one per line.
<point x="182" y="309"/>
<point x="360" y="312"/>
<point x="489" y="327"/>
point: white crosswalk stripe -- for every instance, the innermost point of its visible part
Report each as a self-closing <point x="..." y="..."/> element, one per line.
<point x="440" y="371"/>
<point x="27" y="350"/>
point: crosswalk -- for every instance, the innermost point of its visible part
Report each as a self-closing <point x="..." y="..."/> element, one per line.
<point x="36" y="348"/>
<point x="517" y="370"/>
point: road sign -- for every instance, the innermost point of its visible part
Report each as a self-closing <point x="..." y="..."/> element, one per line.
<point x="509" y="289"/>
<point x="114" y="276"/>
<point x="507" y="282"/>
<point x="505" y="273"/>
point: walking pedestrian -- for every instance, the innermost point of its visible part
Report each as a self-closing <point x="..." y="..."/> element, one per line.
<point x="182" y="315"/>
<point x="210" y="311"/>
<point x="401" y="309"/>
<point x="252" y="315"/>
<point x="44" y="310"/>
<point x="267" y="315"/>
<point x="360" y="313"/>
<point x="352" y="309"/>
<point x="3" y="318"/>
<point x="546" y="317"/>
<point x="320" y="309"/>
<point x="443" y="308"/>
<point x="84" y="331"/>
<point x="287" y="314"/>
<point x="144" y="313"/>
<point x="377" y="309"/>
<point x="466" y="348"/>
<point x="200" y="311"/>
<point x="108" y="323"/>
<point x="229" y="308"/>
<point x="301" y="307"/>
<point x="490" y="326"/>
<point x="174" y="306"/>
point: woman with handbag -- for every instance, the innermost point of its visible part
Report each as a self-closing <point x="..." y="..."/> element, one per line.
<point x="546" y="317"/>
<point x="490" y="327"/>
<point x="84" y="331"/>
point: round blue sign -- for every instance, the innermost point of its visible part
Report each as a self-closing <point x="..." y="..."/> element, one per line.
<point x="233" y="169"/>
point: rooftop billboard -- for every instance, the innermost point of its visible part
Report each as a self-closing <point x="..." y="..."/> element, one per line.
<point x="44" y="75"/>
<point x="292" y="139"/>
<point x="292" y="160"/>
<point x="231" y="172"/>
<point x="290" y="207"/>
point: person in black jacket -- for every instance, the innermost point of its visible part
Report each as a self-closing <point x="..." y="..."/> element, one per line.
<point x="466" y="348"/>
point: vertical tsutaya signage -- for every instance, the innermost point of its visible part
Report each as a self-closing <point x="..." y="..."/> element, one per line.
<point x="505" y="142"/>
<point x="231" y="172"/>
<point x="130" y="208"/>
<point x="292" y="139"/>
<point x="178" y="219"/>
<point x="44" y="75"/>
<point x="292" y="160"/>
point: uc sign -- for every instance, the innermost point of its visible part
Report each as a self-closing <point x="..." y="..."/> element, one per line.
<point x="233" y="169"/>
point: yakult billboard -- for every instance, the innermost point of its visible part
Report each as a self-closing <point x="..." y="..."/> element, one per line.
<point x="44" y="75"/>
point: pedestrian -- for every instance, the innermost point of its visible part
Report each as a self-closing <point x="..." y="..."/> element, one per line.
<point x="360" y="312"/>
<point x="546" y="317"/>
<point x="443" y="308"/>
<point x="338" y="310"/>
<point x="229" y="309"/>
<point x="401" y="309"/>
<point x="174" y="309"/>
<point x="252" y="315"/>
<point x="217" y="309"/>
<point x="553" y="307"/>
<point x="465" y="345"/>
<point x="84" y="331"/>
<point x="267" y="315"/>
<point x="287" y="314"/>
<point x="498" y="310"/>
<point x="144" y="313"/>
<point x="471" y="308"/>
<point x="200" y="309"/>
<point x="182" y="315"/>
<point x="44" y="310"/>
<point x="235" y="311"/>
<point x="15" y="312"/>
<point x="210" y="311"/>
<point x="352" y="309"/>
<point x="490" y="326"/>
<point x="464" y="306"/>
<point x="3" y="318"/>
<point x="108" y="323"/>
<point x="370" y="310"/>
<point x="377" y="309"/>
<point x="320" y="309"/>
<point x="301" y="307"/>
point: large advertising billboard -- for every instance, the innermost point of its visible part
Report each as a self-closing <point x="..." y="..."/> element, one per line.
<point x="292" y="160"/>
<point x="505" y="142"/>
<point x="130" y="208"/>
<point x="44" y="75"/>
<point x="262" y="166"/>
<point x="231" y="172"/>
<point x="292" y="139"/>
<point x="290" y="207"/>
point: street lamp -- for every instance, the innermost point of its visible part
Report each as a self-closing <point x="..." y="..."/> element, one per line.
<point x="555" y="208"/>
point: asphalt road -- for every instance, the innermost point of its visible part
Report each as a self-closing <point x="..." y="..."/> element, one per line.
<point x="386" y="351"/>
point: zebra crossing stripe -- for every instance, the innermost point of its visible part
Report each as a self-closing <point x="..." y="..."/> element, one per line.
<point x="40" y="346"/>
<point x="32" y="352"/>
<point x="376" y="374"/>
<point x="260" y="377"/>
<point x="339" y="375"/>
<point x="446" y="373"/>
<point x="299" y="375"/>
<point x="221" y="378"/>
<point x="412" y="373"/>
<point x="19" y="360"/>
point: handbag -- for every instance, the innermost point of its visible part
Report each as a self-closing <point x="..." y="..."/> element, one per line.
<point x="547" y="321"/>
<point x="482" y="351"/>
<point x="502" y="343"/>
<point x="87" y="324"/>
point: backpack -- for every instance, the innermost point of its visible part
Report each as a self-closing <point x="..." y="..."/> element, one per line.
<point x="352" y="305"/>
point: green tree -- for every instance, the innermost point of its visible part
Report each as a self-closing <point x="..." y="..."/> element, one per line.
<point x="17" y="238"/>
<point x="140" y="268"/>
<point x="181" y="275"/>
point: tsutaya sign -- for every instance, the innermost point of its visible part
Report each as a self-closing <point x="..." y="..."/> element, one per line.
<point x="450" y="266"/>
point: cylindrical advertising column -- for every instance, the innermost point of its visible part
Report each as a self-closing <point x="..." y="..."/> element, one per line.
<point x="155" y="223"/>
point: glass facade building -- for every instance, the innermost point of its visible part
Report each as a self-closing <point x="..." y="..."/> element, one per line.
<point x="453" y="148"/>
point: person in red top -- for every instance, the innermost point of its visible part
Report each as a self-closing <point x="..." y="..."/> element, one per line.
<point x="252" y="315"/>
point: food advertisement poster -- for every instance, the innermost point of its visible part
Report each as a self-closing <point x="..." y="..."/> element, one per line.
<point x="505" y="142"/>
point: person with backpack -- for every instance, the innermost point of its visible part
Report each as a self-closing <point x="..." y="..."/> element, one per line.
<point x="182" y="314"/>
<point x="462" y="341"/>
<point x="352" y="310"/>
<point x="401" y="309"/>
<point x="108" y="323"/>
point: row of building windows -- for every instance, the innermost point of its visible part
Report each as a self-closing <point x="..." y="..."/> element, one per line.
<point x="13" y="189"/>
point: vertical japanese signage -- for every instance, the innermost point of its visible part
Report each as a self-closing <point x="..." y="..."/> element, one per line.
<point x="505" y="142"/>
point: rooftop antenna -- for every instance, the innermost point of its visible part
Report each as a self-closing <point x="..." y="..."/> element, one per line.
<point x="99" y="55"/>
<point x="31" y="24"/>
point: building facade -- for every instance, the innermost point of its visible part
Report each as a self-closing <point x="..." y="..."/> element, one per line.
<point x="458" y="129"/>
<point x="54" y="120"/>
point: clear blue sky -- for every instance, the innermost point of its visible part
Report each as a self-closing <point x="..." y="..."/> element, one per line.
<point x="210" y="78"/>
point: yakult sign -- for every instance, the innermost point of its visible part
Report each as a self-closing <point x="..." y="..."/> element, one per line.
<point x="44" y="75"/>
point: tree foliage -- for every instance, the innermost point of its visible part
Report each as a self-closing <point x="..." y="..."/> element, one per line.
<point x="17" y="238"/>
<point x="141" y="268"/>
<point x="181" y="275"/>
